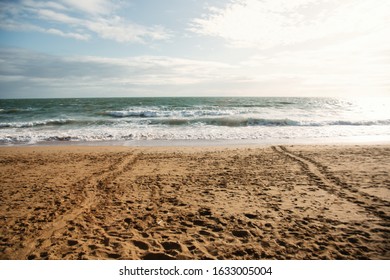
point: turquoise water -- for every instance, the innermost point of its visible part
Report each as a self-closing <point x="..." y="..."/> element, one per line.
<point x="36" y="121"/>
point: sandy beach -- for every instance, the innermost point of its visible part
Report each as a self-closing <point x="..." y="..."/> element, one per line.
<point x="253" y="202"/>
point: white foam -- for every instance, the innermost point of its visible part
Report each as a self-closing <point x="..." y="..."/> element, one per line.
<point x="131" y="132"/>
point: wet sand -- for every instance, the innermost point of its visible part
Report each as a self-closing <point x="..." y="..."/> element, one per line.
<point x="276" y="202"/>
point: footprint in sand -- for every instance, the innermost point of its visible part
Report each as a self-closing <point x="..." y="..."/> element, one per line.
<point x="169" y="245"/>
<point x="72" y="242"/>
<point x="141" y="245"/>
<point x="241" y="233"/>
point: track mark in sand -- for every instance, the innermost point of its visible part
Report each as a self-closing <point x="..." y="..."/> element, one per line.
<point x="330" y="183"/>
<point x="92" y="186"/>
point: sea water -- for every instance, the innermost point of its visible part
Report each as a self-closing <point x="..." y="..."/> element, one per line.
<point x="184" y="119"/>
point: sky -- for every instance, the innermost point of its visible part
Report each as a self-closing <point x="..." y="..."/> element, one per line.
<point x="101" y="48"/>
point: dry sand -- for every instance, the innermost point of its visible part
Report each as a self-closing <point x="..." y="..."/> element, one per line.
<point x="282" y="202"/>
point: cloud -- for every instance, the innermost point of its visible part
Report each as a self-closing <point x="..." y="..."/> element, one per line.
<point x="73" y="35"/>
<point x="94" y="7"/>
<point x="289" y="73"/>
<point x="54" y="16"/>
<point x="119" y="30"/>
<point x="78" y="20"/>
<point x="16" y="26"/>
<point x="321" y="47"/>
<point x="25" y="71"/>
<point x="274" y="23"/>
<point x="352" y="67"/>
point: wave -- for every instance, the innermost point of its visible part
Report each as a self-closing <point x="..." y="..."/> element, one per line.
<point x="361" y="123"/>
<point x="15" y="110"/>
<point x="240" y="122"/>
<point x="124" y="114"/>
<point x="226" y="121"/>
<point x="117" y="134"/>
<point x="50" y="122"/>
<point x="172" y="113"/>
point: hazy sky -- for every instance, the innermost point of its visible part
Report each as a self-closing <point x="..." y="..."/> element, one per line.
<point x="85" y="48"/>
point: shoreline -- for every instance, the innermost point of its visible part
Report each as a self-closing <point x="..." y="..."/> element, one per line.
<point x="195" y="202"/>
<point x="356" y="140"/>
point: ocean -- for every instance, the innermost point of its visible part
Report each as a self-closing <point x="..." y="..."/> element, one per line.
<point x="138" y="121"/>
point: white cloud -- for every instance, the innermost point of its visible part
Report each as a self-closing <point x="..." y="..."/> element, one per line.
<point x="73" y="35"/>
<point x="16" y="26"/>
<point x="26" y="74"/>
<point x="357" y="67"/>
<point x="84" y="71"/>
<point x="272" y="23"/>
<point x="51" y="15"/>
<point x="288" y="73"/>
<point x="80" y="19"/>
<point x="121" y="31"/>
<point x="321" y="47"/>
<point x="91" y="6"/>
<point x="42" y="4"/>
<point x="300" y="47"/>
